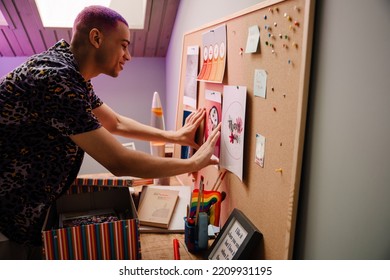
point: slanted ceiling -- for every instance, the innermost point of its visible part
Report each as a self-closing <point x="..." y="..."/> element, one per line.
<point x="26" y="36"/>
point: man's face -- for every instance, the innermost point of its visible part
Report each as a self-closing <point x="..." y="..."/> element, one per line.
<point x="114" y="52"/>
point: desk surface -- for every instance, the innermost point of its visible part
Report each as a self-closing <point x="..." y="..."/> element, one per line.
<point x="159" y="246"/>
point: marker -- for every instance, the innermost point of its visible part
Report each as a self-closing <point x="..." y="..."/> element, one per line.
<point x="176" y="252"/>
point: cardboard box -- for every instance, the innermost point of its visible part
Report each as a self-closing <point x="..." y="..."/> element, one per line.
<point x="118" y="240"/>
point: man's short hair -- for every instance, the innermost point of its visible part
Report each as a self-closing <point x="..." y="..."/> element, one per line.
<point x="99" y="17"/>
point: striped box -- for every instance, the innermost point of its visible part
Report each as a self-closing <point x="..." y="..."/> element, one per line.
<point x="117" y="240"/>
<point x="108" y="179"/>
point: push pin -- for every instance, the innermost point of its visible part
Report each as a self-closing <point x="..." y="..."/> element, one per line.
<point x="270" y="10"/>
<point x="265" y="17"/>
<point x="297" y="9"/>
<point x="275" y="24"/>
<point x="296" y="23"/>
<point x="279" y="170"/>
<point x="241" y="51"/>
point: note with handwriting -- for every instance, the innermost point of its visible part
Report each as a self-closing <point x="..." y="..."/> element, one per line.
<point x="252" y="42"/>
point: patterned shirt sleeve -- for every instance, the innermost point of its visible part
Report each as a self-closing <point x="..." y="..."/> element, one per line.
<point x="69" y="106"/>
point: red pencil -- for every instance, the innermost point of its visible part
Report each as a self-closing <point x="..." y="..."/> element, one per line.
<point x="176" y="252"/>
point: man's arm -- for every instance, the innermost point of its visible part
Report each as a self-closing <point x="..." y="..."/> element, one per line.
<point x="123" y="126"/>
<point x="103" y="147"/>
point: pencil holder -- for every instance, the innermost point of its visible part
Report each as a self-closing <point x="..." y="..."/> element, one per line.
<point x="190" y="235"/>
<point x="196" y="236"/>
<point x="202" y="232"/>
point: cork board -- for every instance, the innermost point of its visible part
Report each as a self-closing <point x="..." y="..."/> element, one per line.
<point x="267" y="195"/>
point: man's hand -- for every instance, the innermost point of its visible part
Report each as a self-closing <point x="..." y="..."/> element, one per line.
<point x="186" y="134"/>
<point x="204" y="156"/>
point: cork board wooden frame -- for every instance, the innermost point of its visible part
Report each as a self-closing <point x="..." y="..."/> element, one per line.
<point x="267" y="195"/>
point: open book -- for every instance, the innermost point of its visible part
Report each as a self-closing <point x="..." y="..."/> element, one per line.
<point x="156" y="206"/>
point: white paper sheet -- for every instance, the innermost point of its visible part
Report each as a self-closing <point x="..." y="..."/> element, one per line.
<point x="233" y="129"/>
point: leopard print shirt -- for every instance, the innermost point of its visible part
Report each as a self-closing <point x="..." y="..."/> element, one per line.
<point x="42" y="103"/>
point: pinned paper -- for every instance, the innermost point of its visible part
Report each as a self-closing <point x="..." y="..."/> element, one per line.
<point x="186" y="151"/>
<point x="214" y="55"/>
<point x="190" y="87"/>
<point x="253" y="39"/>
<point x="233" y="128"/>
<point x="260" y="83"/>
<point x="260" y="147"/>
<point x="213" y="106"/>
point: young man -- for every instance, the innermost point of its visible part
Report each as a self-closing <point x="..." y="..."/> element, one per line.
<point x="50" y="116"/>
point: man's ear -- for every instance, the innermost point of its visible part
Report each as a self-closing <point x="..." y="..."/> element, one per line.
<point x="95" y="37"/>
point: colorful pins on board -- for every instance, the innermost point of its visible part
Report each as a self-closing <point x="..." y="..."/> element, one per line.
<point x="285" y="35"/>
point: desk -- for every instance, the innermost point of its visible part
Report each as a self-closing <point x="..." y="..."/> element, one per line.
<point x="159" y="246"/>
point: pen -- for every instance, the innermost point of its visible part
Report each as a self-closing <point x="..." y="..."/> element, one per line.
<point x="200" y="194"/>
<point x="176" y="252"/>
<point x="219" y="183"/>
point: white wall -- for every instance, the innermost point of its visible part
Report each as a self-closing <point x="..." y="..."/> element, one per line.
<point x="345" y="198"/>
<point x="344" y="210"/>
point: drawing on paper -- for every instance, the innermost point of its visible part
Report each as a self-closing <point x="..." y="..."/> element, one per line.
<point x="233" y="129"/>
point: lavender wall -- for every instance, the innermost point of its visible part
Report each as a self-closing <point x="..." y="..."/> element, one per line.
<point x="9" y="63"/>
<point x="129" y="94"/>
